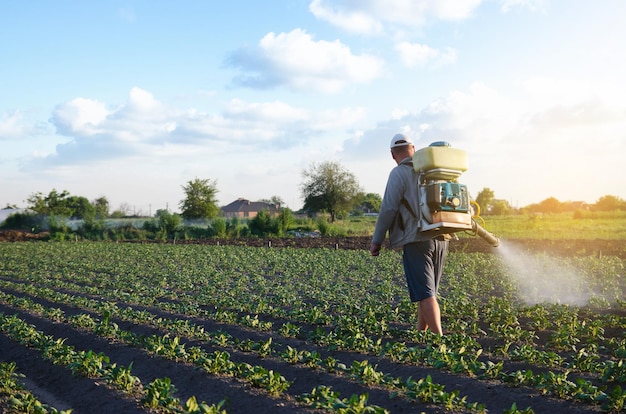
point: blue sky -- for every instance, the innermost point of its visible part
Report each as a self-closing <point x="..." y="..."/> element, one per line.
<point x="132" y="99"/>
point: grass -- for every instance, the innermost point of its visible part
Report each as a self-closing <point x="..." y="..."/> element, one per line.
<point x="559" y="226"/>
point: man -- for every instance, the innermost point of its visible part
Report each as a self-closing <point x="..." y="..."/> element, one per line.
<point x="423" y="257"/>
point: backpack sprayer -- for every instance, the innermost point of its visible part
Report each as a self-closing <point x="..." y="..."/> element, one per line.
<point x="444" y="204"/>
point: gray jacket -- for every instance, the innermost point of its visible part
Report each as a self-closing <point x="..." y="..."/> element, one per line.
<point x="399" y="211"/>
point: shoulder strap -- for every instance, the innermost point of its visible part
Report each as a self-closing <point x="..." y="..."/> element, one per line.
<point x="404" y="201"/>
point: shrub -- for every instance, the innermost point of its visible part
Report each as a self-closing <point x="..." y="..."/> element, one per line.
<point x="24" y="221"/>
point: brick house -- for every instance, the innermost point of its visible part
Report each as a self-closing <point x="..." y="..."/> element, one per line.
<point x="243" y="208"/>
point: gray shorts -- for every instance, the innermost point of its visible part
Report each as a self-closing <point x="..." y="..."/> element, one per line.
<point x="423" y="266"/>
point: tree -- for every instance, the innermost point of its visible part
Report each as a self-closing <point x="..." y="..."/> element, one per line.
<point x="284" y="220"/>
<point x="328" y="187"/>
<point x="275" y="200"/>
<point x="500" y="208"/>
<point x="80" y="207"/>
<point x="485" y="199"/>
<point x="200" y="201"/>
<point x="262" y="224"/>
<point x="102" y="207"/>
<point x="367" y="203"/>
<point x="61" y="204"/>
<point x="609" y="203"/>
<point x="124" y="210"/>
<point x="549" y="205"/>
<point x="54" y="204"/>
<point x="169" y="222"/>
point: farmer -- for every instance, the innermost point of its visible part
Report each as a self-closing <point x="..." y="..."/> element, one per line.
<point x="423" y="257"/>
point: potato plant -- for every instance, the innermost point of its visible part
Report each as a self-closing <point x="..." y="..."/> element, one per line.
<point x="288" y="327"/>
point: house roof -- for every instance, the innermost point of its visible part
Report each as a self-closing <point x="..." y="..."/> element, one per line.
<point x="243" y="205"/>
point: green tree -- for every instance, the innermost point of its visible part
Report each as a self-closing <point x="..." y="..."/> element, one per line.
<point x="200" y="201"/>
<point x="54" y="204"/>
<point x="262" y="224"/>
<point x="79" y="207"/>
<point x="218" y="227"/>
<point x="485" y="200"/>
<point x="169" y="222"/>
<point x="367" y="203"/>
<point x="500" y="208"/>
<point x="101" y="205"/>
<point x="549" y="205"/>
<point x="329" y="187"/>
<point x="609" y="203"/>
<point x="284" y="220"/>
<point x="275" y="200"/>
<point x="61" y="204"/>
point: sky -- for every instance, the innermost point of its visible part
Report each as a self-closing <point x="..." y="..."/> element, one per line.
<point x="132" y="99"/>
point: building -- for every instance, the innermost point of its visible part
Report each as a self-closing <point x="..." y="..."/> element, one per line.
<point x="243" y="208"/>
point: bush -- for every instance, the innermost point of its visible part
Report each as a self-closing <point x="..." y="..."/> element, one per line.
<point x="31" y="222"/>
<point x="127" y="232"/>
<point x="262" y="224"/>
<point x="217" y="228"/>
<point x="92" y="229"/>
<point x="59" y="230"/>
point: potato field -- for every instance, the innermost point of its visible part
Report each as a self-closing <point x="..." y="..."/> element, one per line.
<point x="101" y="327"/>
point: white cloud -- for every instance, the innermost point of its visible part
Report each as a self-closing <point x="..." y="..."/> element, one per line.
<point x="352" y="20"/>
<point x="533" y="5"/>
<point x="265" y="111"/>
<point x="145" y="127"/>
<point x="299" y="62"/>
<point x="17" y="126"/>
<point x="376" y="16"/>
<point x="569" y="146"/>
<point x="11" y="125"/>
<point x="79" y="116"/>
<point x="416" y="54"/>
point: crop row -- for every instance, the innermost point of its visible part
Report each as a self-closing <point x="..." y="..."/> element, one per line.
<point x="339" y="301"/>
<point x="157" y="394"/>
<point x="219" y="362"/>
<point x="458" y="360"/>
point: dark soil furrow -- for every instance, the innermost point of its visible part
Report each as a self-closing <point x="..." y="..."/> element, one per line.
<point x="191" y="381"/>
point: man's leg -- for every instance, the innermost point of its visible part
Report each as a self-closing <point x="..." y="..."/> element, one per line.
<point x="429" y="315"/>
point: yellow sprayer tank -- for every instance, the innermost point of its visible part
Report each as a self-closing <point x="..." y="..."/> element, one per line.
<point x="439" y="161"/>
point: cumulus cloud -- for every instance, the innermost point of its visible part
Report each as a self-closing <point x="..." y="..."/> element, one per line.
<point x="301" y="63"/>
<point x="79" y="116"/>
<point x="141" y="118"/>
<point x="376" y="16"/>
<point x="145" y="127"/>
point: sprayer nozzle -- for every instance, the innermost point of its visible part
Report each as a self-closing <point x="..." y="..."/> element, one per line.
<point x="488" y="237"/>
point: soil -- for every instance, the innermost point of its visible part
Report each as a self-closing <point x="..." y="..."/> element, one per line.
<point x="567" y="248"/>
<point x="56" y="386"/>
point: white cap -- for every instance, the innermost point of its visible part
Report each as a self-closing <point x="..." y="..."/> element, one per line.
<point x="400" y="140"/>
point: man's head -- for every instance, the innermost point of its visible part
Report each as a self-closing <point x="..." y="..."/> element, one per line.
<point x="401" y="147"/>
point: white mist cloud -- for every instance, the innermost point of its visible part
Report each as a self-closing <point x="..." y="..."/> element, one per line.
<point x="544" y="279"/>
